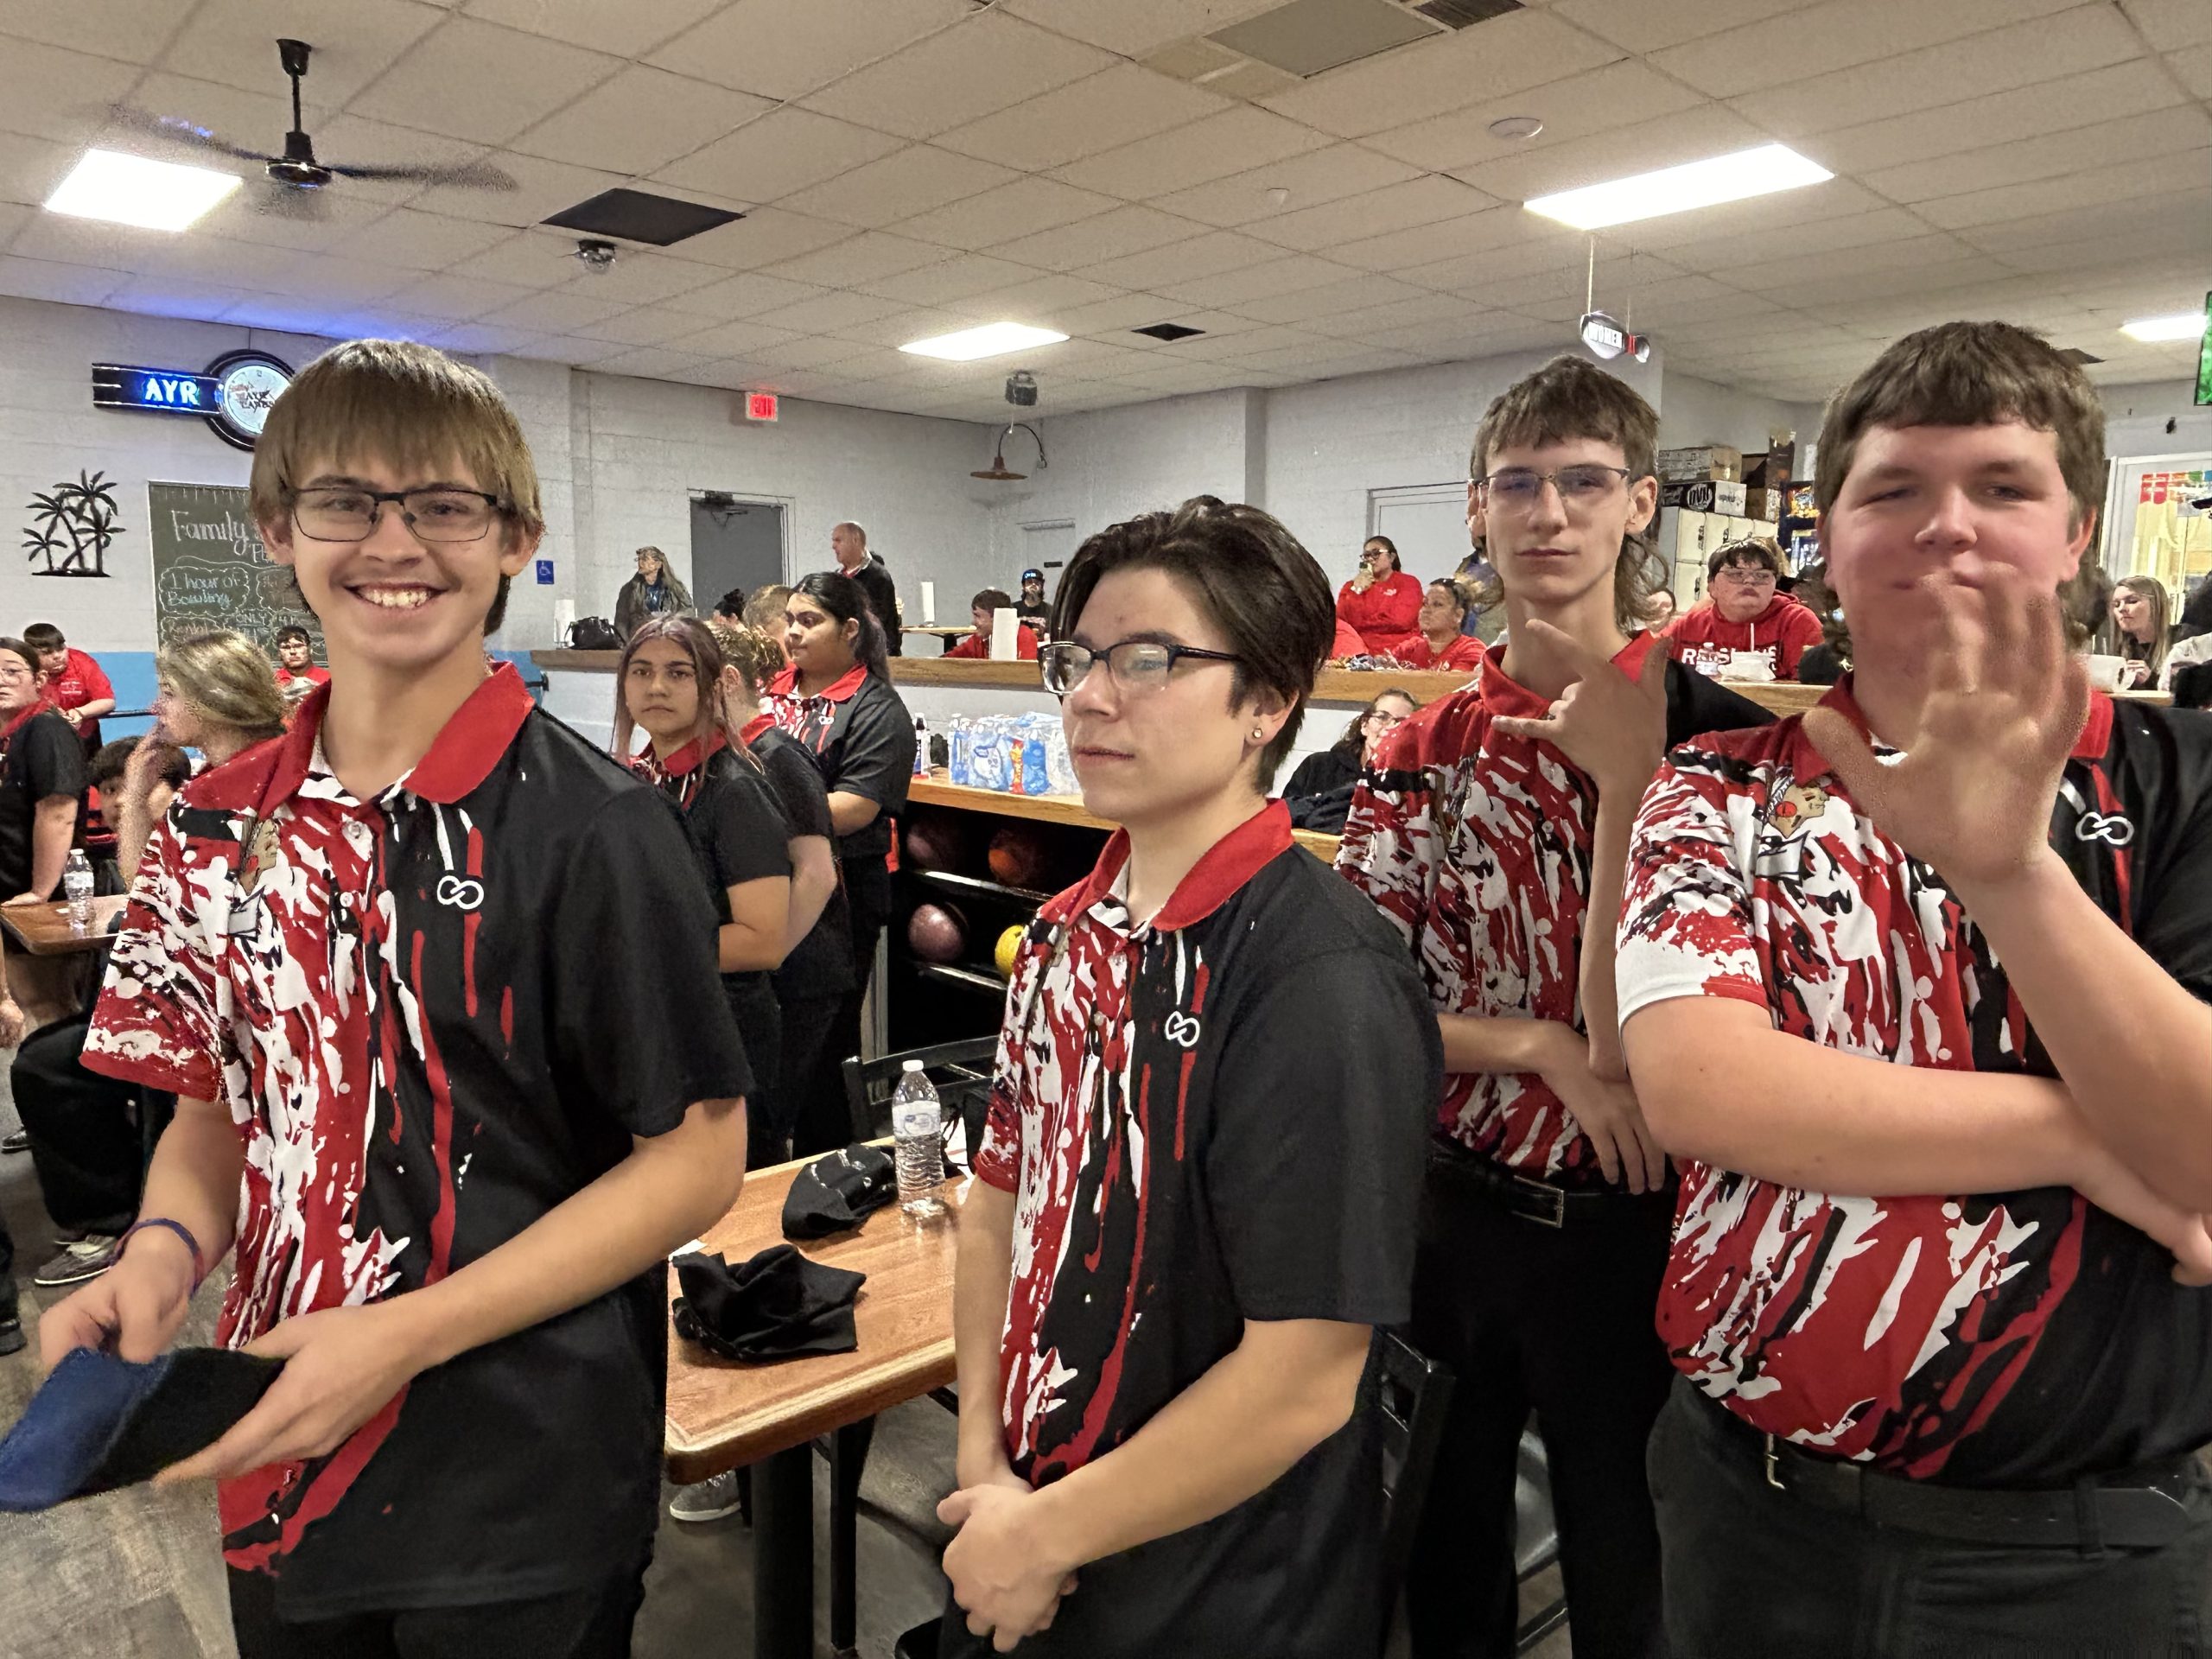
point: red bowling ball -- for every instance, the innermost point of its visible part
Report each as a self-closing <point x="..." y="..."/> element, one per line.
<point x="937" y="933"/>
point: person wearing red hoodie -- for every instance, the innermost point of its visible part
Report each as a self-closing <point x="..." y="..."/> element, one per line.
<point x="1746" y="630"/>
<point x="977" y="647"/>
<point x="1382" y="602"/>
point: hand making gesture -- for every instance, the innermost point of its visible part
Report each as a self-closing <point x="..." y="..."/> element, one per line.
<point x="1611" y="726"/>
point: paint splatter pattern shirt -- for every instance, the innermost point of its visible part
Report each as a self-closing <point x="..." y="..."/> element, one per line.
<point x="433" y="1016"/>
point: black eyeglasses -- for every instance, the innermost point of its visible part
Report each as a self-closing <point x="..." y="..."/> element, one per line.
<point x="1133" y="666"/>
<point x="1580" y="485"/>
<point x="436" y="515"/>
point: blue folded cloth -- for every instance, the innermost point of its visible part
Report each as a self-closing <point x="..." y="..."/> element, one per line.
<point x="99" y="1421"/>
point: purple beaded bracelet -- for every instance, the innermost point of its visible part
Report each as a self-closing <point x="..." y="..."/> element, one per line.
<point x="199" y="1271"/>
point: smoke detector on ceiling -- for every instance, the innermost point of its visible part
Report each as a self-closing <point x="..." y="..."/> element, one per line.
<point x="596" y="256"/>
<point x="1516" y="128"/>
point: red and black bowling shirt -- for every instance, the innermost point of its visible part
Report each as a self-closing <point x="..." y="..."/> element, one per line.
<point x="433" y="1016"/>
<point x="861" y="737"/>
<point x="1476" y="847"/>
<point x="1211" y="1116"/>
<point x="2013" y="1338"/>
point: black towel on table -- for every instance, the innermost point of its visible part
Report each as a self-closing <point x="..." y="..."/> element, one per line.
<point x="776" y="1305"/>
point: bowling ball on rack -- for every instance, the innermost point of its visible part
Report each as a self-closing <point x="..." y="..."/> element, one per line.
<point x="937" y="933"/>
<point x="1019" y="855"/>
<point x="933" y="841"/>
<point x="1008" y="948"/>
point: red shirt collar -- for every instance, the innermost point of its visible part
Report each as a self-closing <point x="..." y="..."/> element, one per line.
<point x="460" y="757"/>
<point x="690" y="757"/>
<point x="755" y="727"/>
<point x="16" y="725"/>
<point x="1501" y="696"/>
<point x="1213" y="881"/>
<point x="2094" y="739"/>
<point x="786" y="685"/>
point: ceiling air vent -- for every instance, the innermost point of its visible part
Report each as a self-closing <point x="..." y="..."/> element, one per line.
<point x="1169" y="331"/>
<point x="640" y="216"/>
<point x="1457" y="14"/>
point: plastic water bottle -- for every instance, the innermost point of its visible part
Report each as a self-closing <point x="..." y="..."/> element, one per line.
<point x="921" y="747"/>
<point x="917" y="1118"/>
<point x="77" y="889"/>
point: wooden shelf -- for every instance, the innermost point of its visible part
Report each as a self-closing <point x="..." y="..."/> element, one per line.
<point x="977" y="884"/>
<point x="968" y="976"/>
<point x="937" y="790"/>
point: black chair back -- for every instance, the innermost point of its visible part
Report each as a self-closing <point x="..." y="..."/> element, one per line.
<point x="1415" y="1392"/>
<point x="960" y="1070"/>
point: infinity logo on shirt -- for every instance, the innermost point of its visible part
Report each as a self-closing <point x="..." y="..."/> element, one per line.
<point x="2109" y="827"/>
<point x="1183" y="1029"/>
<point x="459" y="892"/>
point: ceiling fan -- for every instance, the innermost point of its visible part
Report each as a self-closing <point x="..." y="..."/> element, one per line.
<point x="295" y="176"/>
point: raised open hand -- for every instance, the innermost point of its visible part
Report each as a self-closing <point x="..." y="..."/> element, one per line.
<point x="1972" y="791"/>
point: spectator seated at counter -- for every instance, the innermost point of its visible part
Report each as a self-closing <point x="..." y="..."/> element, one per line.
<point x="981" y="610"/>
<point x="74" y="685"/>
<point x="1443" y="645"/>
<point x="1319" y="793"/>
<point x="1381" y="602"/>
<point x="1746" y="630"/>
<point x="2139" y="634"/>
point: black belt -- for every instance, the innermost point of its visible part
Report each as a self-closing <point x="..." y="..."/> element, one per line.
<point x="1534" y="1200"/>
<point x="2143" y="1508"/>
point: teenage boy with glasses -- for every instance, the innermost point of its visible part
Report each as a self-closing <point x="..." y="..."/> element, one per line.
<point x="1917" y="985"/>
<point x="1491" y="830"/>
<point x="1189" y="1209"/>
<point x="1746" y="630"/>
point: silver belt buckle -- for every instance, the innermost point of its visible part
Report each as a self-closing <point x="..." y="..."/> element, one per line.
<point x="1773" y="1472"/>
<point x="1554" y="1196"/>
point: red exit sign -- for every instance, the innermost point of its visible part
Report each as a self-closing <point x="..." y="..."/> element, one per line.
<point x="760" y="405"/>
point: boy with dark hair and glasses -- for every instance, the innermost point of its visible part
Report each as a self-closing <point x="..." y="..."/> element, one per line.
<point x="1189" y="1212"/>
<point x="434" y="980"/>
<point x="298" y="672"/>
<point x="1917" y="985"/>
<point x="1491" y="830"/>
<point x="1747" y="629"/>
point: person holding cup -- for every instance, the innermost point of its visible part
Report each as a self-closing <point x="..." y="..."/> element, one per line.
<point x="2141" y="633"/>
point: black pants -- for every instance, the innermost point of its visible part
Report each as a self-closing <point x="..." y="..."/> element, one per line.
<point x="1753" y="1572"/>
<point x="86" y="1144"/>
<point x="593" y="1623"/>
<point x="824" y="1123"/>
<point x="1557" y="1320"/>
<point x="808" y="1022"/>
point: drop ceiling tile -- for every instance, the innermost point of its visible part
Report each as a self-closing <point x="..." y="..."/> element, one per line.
<point x="1019" y="209"/>
<point x="331" y="281"/>
<point x="1844" y="234"/>
<point x="577" y="352"/>
<point x="963" y="278"/>
<point x="255" y="120"/>
<point x="1402" y="252"/>
<point x="1316" y="176"/>
<point x="355" y="41"/>
<point x="626" y="30"/>
<point x="642" y="277"/>
<point x="742" y="297"/>
<point x="483" y="339"/>
<point x="30" y="168"/>
<point x="1117" y="106"/>
<point x="456" y="299"/>
<point x="1818" y="40"/>
<point x="1429" y="309"/>
<point x="808" y="352"/>
<point x="897" y="328"/>
<point x="1234" y="141"/>
<point x="46" y="92"/>
<point x="2169" y="25"/>
<point x="1250" y="343"/>
<point x="639" y="121"/>
<point x="1134" y="28"/>
<point x="1483" y="333"/>
<point x="1122" y="311"/>
<point x="1602" y="100"/>
<point x="163" y="296"/>
<point x="731" y="339"/>
<point x="44" y="279"/>
<point x="1425" y="200"/>
<point x="128" y="31"/>
<point x="1648" y="25"/>
<point x="556" y="311"/>
<point x="354" y="140"/>
<point x="653" y="363"/>
<point x="899" y="186"/>
<point x="830" y="314"/>
<point x="786" y="49"/>
<point x="780" y="153"/>
<point x="530" y="259"/>
<point x="472" y="79"/>
<point x="2046" y="48"/>
<point x="2023" y="162"/>
<point x="644" y="326"/>
<point x="422" y="241"/>
<point x="1044" y="301"/>
<point x="1711" y="227"/>
<point x="858" y="259"/>
<point x="2026" y="112"/>
<point x="2194" y="66"/>
<point x="1091" y="241"/>
<point x="1234" y="289"/>
<point x="1829" y="286"/>
<point x="874" y="366"/>
<point x="543" y="189"/>
<point x="2156" y="176"/>
<point x="1474" y="272"/>
<point x="64" y="240"/>
<point x="1330" y="299"/>
<point x="242" y="217"/>
<point x="764" y="237"/>
<point x="984" y="64"/>
<point x="1689" y="135"/>
<point x="1163" y="269"/>
<point x="1488" y="61"/>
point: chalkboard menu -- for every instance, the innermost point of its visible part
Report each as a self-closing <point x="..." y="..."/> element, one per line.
<point x="210" y="571"/>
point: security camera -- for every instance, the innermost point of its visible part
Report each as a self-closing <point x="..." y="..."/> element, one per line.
<point x="596" y="256"/>
<point x="1022" y="389"/>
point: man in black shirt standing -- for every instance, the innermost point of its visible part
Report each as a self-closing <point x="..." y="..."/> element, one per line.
<point x="42" y="781"/>
<point x="850" y="542"/>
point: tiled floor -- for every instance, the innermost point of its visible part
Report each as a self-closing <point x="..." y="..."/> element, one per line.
<point x="135" y="1575"/>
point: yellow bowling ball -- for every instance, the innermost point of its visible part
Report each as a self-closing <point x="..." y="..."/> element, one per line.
<point x="1009" y="946"/>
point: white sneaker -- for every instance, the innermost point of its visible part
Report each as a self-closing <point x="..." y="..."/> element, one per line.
<point x="709" y="1500"/>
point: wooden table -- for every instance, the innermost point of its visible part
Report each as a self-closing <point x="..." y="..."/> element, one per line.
<point x="726" y="1414"/>
<point x="938" y="790"/>
<point x="44" y="931"/>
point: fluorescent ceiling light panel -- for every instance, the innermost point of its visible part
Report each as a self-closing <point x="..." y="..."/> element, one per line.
<point x="131" y="190"/>
<point x="1677" y="189"/>
<point x="2186" y="325"/>
<point x="992" y="339"/>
